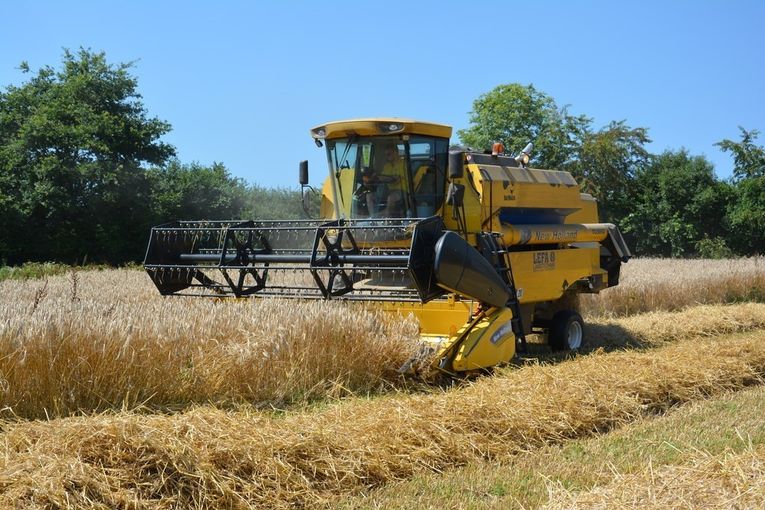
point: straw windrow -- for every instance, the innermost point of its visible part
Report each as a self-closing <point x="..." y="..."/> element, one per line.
<point x="211" y="458"/>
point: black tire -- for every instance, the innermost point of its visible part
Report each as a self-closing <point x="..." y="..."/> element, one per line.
<point x="566" y="331"/>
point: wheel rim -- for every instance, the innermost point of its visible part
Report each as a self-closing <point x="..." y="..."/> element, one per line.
<point x="574" y="335"/>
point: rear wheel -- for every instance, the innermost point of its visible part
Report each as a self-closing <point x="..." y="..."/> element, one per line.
<point x="566" y="331"/>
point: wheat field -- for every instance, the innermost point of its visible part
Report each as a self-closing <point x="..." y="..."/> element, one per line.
<point x="212" y="458"/>
<point x="152" y="402"/>
<point x="650" y="284"/>
<point x="106" y="340"/>
<point x="97" y="340"/>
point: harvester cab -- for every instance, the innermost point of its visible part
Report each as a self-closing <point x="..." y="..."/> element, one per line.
<point x="384" y="168"/>
<point x="481" y="248"/>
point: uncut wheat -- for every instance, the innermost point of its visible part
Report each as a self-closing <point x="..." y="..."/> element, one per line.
<point x="105" y="340"/>
<point x="98" y="340"/>
<point x="652" y="284"/>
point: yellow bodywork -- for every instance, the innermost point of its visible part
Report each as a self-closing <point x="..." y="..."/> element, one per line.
<point x="547" y="258"/>
<point x="438" y="318"/>
<point x="485" y="342"/>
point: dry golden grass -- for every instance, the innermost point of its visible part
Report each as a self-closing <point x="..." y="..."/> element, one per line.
<point x="107" y="340"/>
<point x="648" y="285"/>
<point x="211" y="458"/>
<point x="92" y="341"/>
<point x="726" y="481"/>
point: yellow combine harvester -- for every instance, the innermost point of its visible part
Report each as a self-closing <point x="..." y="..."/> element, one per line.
<point x="480" y="247"/>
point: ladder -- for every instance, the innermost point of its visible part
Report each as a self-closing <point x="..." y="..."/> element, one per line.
<point x="493" y="248"/>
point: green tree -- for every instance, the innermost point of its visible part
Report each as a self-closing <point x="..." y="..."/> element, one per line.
<point x="679" y="206"/>
<point x="606" y="165"/>
<point x="515" y="114"/>
<point x="604" y="162"/>
<point x="72" y="144"/>
<point x="746" y="214"/>
<point x="196" y="192"/>
<point x="280" y="204"/>
<point x="748" y="158"/>
<point x="746" y="217"/>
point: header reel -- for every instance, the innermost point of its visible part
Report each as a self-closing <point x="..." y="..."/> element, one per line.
<point x="370" y="260"/>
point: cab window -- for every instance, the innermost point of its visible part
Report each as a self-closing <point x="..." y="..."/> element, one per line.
<point x="388" y="177"/>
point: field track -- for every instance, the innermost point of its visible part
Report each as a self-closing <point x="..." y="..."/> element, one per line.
<point x="730" y="480"/>
<point x="622" y="466"/>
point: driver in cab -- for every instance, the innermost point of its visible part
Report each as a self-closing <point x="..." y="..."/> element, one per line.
<point x="391" y="175"/>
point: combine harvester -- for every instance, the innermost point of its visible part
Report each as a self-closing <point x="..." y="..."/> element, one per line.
<point x="481" y="248"/>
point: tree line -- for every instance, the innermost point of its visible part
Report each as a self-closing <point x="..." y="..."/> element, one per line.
<point x="84" y="172"/>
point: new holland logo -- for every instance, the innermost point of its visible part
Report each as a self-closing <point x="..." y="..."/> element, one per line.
<point x="500" y="335"/>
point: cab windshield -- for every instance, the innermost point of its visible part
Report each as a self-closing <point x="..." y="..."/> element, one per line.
<point x="388" y="177"/>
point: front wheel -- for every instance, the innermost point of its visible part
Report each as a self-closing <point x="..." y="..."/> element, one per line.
<point x="566" y="331"/>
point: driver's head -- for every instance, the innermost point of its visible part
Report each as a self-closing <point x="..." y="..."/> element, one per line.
<point x="391" y="151"/>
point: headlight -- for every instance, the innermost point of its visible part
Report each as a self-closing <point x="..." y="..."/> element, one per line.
<point x="390" y="127"/>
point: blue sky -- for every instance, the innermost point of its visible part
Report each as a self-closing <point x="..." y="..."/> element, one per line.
<point x="242" y="82"/>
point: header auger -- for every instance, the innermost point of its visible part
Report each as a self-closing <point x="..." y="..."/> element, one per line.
<point x="481" y="248"/>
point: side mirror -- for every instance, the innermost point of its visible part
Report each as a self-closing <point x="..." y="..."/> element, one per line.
<point x="456" y="165"/>
<point x="303" y="177"/>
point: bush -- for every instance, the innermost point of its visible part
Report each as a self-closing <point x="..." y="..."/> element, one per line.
<point x="31" y="270"/>
<point x="714" y="248"/>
